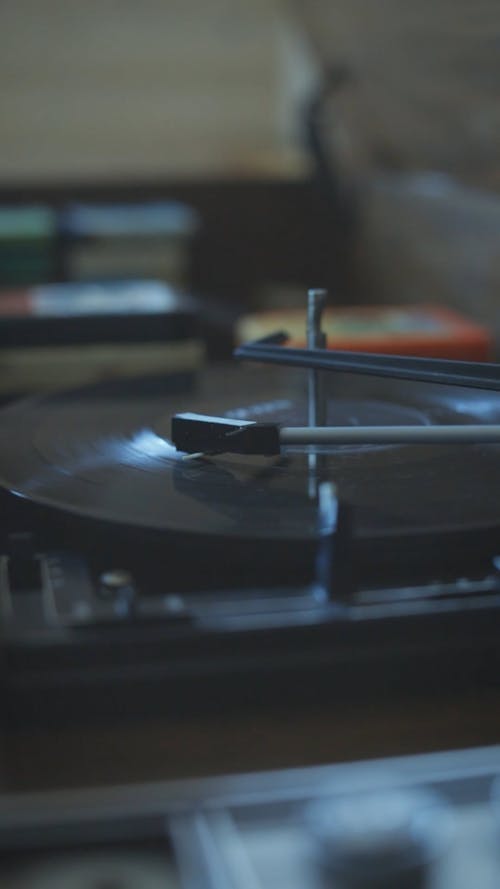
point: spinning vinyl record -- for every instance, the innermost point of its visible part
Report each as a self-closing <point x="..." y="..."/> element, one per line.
<point x="104" y="453"/>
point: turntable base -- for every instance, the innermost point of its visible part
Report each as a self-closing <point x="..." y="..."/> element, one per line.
<point x="215" y="609"/>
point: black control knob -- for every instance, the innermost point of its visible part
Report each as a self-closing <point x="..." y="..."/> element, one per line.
<point x="23" y="564"/>
<point x="118" y="586"/>
<point x="383" y="840"/>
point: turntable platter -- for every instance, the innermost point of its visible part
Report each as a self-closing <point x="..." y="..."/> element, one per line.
<point x="104" y="453"/>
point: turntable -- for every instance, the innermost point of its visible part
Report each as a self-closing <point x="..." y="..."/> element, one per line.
<point x="151" y="579"/>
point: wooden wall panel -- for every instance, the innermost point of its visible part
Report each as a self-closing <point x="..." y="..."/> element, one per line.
<point x="111" y="88"/>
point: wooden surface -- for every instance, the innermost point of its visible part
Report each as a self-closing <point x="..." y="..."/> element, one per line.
<point x="157" y="750"/>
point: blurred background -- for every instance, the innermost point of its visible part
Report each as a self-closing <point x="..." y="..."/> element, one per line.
<point x="111" y="91"/>
<point x="238" y="152"/>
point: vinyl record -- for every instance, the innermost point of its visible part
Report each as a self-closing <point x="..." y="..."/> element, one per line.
<point x="104" y="452"/>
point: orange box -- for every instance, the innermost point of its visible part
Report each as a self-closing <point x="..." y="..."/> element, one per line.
<point x="421" y="330"/>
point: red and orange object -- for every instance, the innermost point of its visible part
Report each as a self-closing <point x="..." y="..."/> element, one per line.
<point x="421" y="330"/>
